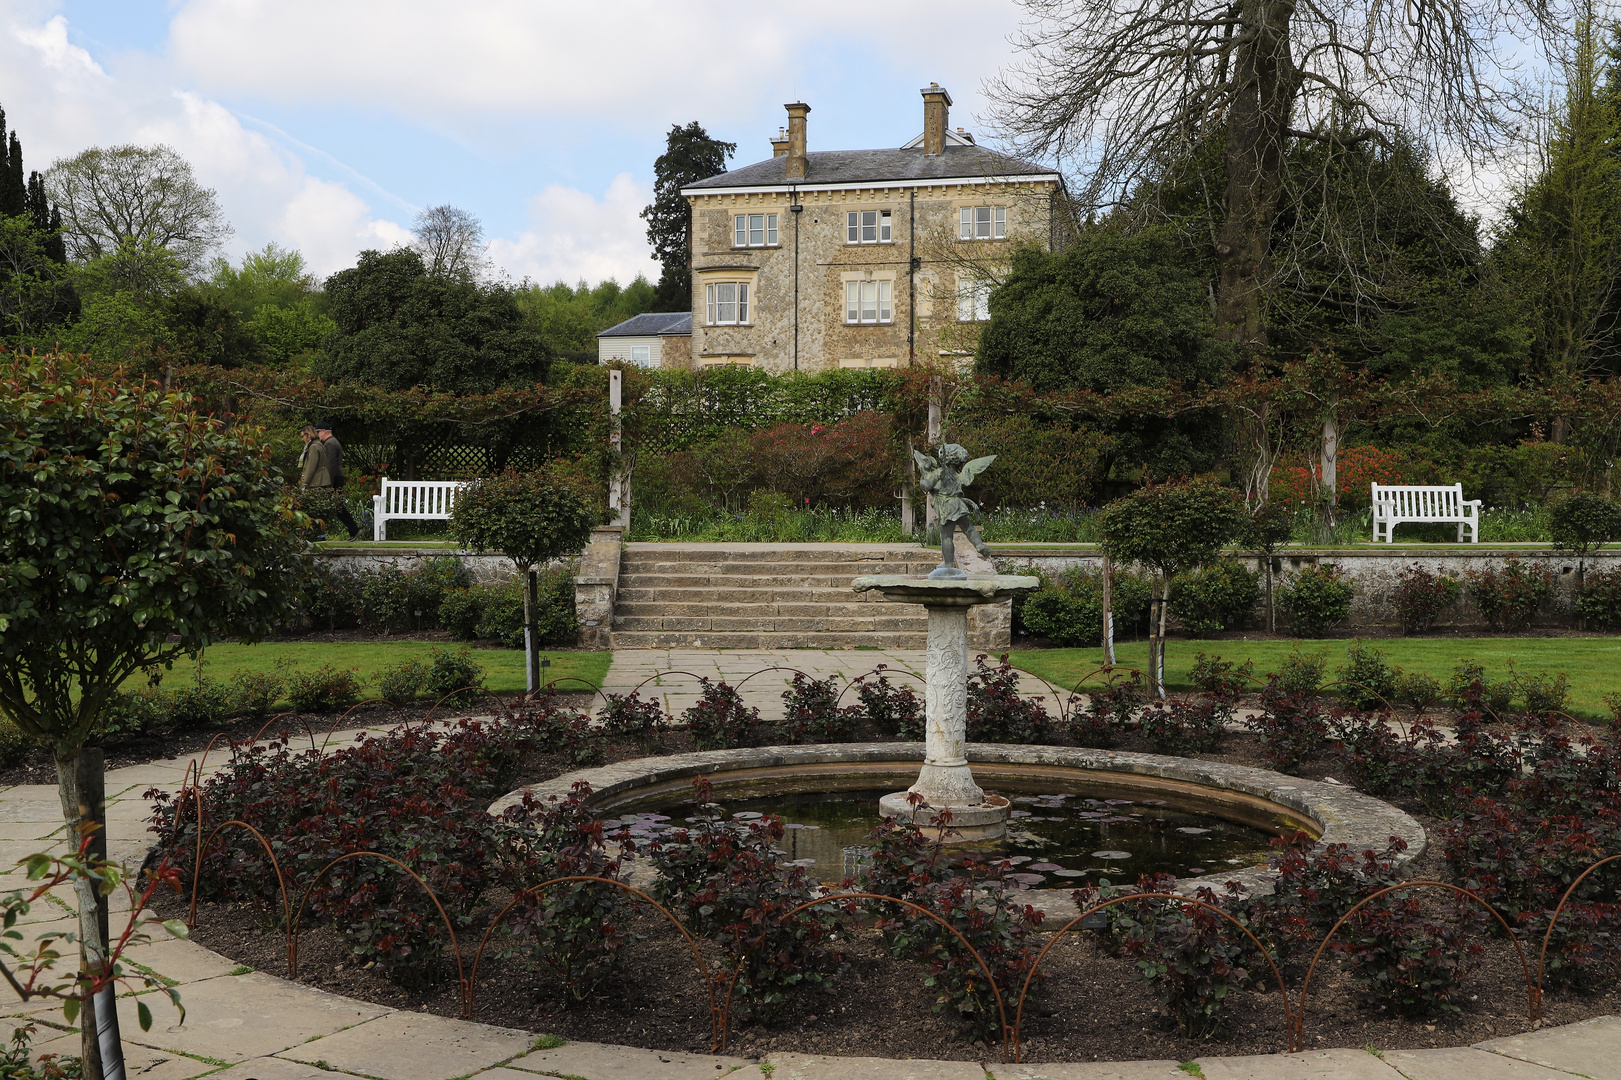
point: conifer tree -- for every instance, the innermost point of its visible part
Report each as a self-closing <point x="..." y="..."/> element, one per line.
<point x="690" y="155"/>
<point x="13" y="190"/>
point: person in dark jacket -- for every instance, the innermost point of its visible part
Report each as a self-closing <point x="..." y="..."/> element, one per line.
<point x="332" y="452"/>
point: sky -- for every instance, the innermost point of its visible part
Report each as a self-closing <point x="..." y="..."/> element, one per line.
<point x="326" y="125"/>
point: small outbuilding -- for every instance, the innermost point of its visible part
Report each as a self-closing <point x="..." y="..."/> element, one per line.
<point x="655" y="339"/>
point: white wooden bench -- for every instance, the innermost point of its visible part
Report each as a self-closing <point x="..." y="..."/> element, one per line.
<point x="412" y="500"/>
<point x="1394" y="504"/>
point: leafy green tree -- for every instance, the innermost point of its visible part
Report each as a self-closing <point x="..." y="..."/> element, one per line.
<point x="399" y="326"/>
<point x="136" y="531"/>
<point x="1561" y="247"/>
<point x="1170" y="529"/>
<point x="273" y="276"/>
<point x="125" y="305"/>
<point x="113" y="197"/>
<point x="36" y="295"/>
<point x="1269" y="524"/>
<point x="1582" y="523"/>
<point x="570" y="318"/>
<point x="531" y="518"/>
<point x="689" y="155"/>
<point x="207" y="331"/>
<point x="1110" y="312"/>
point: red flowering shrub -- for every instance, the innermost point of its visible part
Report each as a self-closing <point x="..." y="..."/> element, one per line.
<point x="850" y="463"/>
<point x="1356" y="469"/>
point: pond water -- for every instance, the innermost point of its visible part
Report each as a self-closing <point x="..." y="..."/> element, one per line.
<point x="1055" y="840"/>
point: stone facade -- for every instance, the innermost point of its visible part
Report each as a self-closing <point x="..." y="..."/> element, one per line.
<point x="922" y="283"/>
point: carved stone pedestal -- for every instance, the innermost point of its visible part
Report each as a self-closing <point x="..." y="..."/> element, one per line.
<point x="946" y="782"/>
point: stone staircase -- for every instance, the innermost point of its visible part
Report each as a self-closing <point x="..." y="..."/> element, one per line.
<point x="768" y="596"/>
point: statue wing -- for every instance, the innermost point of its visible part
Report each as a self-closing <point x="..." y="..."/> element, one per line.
<point x="966" y="475"/>
<point x="928" y="470"/>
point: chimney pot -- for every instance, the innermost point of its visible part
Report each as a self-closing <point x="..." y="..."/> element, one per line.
<point x="936" y="119"/>
<point x="779" y="143"/>
<point x="795" y="165"/>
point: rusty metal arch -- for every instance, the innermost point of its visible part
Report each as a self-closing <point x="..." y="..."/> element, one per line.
<point x="455" y="949"/>
<point x="1288" y="1014"/>
<point x="659" y="674"/>
<point x="534" y="890"/>
<point x="595" y="689"/>
<point x="1532" y="990"/>
<point x="879" y="671"/>
<point x="1542" y="957"/>
<point x="990" y="980"/>
<point x="275" y="864"/>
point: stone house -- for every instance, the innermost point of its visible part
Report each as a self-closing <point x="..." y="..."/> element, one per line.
<point x="811" y="260"/>
<point x="652" y="339"/>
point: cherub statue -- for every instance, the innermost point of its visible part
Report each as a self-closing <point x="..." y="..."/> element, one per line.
<point x="946" y="478"/>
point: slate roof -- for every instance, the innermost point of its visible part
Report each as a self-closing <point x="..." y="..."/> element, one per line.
<point x="652" y="324"/>
<point x="874" y="166"/>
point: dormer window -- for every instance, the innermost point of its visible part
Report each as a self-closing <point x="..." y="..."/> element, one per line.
<point x="868" y="227"/>
<point x="982" y="223"/>
<point x="754" y="230"/>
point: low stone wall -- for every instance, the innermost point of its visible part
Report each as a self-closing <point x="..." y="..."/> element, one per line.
<point x="1375" y="570"/>
<point x="481" y="569"/>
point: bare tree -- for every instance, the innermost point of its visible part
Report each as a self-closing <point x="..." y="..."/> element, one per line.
<point x="119" y="196"/>
<point x="1126" y="89"/>
<point x="451" y="241"/>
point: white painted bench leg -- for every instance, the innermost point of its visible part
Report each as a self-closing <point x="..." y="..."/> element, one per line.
<point x="379" y="529"/>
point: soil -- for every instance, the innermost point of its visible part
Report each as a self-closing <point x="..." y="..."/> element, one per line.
<point x="1095" y="1006"/>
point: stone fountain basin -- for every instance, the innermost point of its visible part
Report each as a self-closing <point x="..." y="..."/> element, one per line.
<point x="1332" y="813"/>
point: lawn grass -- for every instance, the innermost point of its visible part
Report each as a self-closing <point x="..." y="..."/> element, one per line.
<point x="1593" y="664"/>
<point x="503" y="667"/>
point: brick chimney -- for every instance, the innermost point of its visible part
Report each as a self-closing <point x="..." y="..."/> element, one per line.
<point x="779" y="143"/>
<point x="797" y="111"/>
<point x="936" y="119"/>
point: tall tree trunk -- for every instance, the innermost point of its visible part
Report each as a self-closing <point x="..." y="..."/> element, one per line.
<point x="1257" y="122"/>
<point x="80" y="781"/>
<point x="1329" y="470"/>
<point x="531" y="632"/>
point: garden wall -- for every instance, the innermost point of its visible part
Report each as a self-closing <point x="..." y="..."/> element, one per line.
<point x="1375" y="572"/>
<point x="483" y="569"/>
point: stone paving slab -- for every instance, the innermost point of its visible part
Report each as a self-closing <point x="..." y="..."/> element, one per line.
<point x="1591" y="1048"/>
<point x="600" y="1061"/>
<point x="1312" y="1065"/>
<point x="271" y="1068"/>
<point x="179" y="960"/>
<point x="244" y="1016"/>
<point x="1466" y="1061"/>
<point x="818" y="1067"/>
<point x="1091" y="1070"/>
<point x="413" y="1046"/>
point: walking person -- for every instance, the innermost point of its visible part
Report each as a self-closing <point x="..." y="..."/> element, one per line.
<point x="331" y="451"/>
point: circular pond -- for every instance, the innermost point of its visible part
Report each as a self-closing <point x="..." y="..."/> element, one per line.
<point x="1054" y="840"/>
<point x="1231" y="800"/>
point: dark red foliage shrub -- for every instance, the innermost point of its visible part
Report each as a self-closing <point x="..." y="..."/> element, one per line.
<point x="629" y="717"/>
<point x="894" y="709"/>
<point x="1407" y="960"/>
<point x="1111" y="711"/>
<point x="974" y="898"/>
<point x="811" y="713"/>
<point x="1509" y="598"/>
<point x="1421" y="596"/>
<point x="996" y="712"/>
<point x="848" y="463"/>
<point x="718" y="720"/>
<point x="736" y="885"/>
<point x="1183" y="727"/>
<point x="1291" y="727"/>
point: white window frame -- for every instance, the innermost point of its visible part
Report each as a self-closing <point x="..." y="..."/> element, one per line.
<point x="982" y="223"/>
<point x="747" y="227"/>
<point x="641" y="355"/>
<point x="716" y="304"/>
<point x="869" y="227"/>
<point x="973" y="298"/>
<point x="869" y="303"/>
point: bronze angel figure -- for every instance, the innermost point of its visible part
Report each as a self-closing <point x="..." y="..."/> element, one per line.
<point x="945" y="478"/>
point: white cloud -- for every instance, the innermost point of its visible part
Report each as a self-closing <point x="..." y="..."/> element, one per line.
<point x="61" y="101"/>
<point x="577" y="235"/>
<point x="634" y="61"/>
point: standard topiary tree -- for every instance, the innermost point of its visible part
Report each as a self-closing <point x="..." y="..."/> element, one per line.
<point x="531" y="518"/>
<point x="1169" y="529"/>
<point x="1583" y="523"/>
<point x="135" y="530"/>
<point x="1269" y="525"/>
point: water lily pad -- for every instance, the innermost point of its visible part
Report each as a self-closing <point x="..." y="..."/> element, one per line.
<point x="1027" y="879"/>
<point x="1192" y="830"/>
<point x="1195" y="869"/>
<point x="1069" y="873"/>
<point x="1111" y="854"/>
<point x="1044" y="867"/>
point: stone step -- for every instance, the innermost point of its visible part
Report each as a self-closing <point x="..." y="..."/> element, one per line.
<point x="734" y="639"/>
<point x="882" y="624"/>
<point x="853" y="607"/>
<point x="720" y="579"/>
<point x="790" y="553"/>
<point x="781" y="571"/>
<point x="746" y="594"/>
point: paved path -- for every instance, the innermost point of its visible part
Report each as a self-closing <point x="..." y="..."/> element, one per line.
<point x="247" y="1025"/>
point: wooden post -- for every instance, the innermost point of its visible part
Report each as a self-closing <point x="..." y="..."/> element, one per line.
<point x="1108" y="612"/>
<point x="618" y="489"/>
